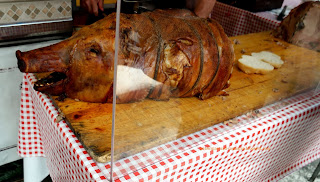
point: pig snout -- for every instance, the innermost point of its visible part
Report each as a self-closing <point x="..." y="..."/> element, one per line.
<point x="35" y="62"/>
<point x="53" y="59"/>
<point x="46" y="59"/>
<point x="21" y="64"/>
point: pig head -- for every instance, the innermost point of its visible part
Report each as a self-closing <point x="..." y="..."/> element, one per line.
<point x="81" y="65"/>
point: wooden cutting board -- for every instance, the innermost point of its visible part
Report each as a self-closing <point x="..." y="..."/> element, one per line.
<point x="146" y="124"/>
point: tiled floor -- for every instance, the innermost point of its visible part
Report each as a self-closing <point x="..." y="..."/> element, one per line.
<point x="303" y="174"/>
<point x="13" y="172"/>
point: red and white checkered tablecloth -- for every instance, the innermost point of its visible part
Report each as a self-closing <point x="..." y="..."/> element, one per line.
<point x="284" y="137"/>
<point x="237" y="21"/>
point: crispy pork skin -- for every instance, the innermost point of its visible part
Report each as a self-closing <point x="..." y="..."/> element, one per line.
<point x="162" y="54"/>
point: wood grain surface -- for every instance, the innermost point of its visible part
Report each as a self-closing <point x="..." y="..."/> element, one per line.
<point x="142" y="125"/>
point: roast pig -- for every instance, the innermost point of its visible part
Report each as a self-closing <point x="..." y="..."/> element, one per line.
<point x="162" y="54"/>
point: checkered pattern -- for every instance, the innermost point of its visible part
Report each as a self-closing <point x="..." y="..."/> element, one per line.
<point x="39" y="135"/>
<point x="214" y="153"/>
<point x="260" y="148"/>
<point x="236" y="21"/>
<point x="29" y="143"/>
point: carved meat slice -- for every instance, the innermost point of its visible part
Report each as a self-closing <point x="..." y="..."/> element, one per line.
<point x="165" y="53"/>
<point x="302" y="26"/>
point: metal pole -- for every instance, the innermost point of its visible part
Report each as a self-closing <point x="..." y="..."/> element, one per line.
<point x="114" y="101"/>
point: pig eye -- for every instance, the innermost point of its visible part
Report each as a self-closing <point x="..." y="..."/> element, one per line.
<point x="94" y="51"/>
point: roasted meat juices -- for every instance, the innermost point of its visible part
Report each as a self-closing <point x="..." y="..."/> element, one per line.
<point x="164" y="53"/>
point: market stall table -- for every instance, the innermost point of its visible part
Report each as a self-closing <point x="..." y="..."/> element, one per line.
<point x="266" y="144"/>
<point x="267" y="147"/>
